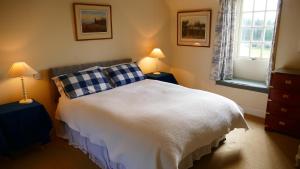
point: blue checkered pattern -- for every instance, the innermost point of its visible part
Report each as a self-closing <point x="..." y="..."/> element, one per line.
<point x="84" y="83"/>
<point x="124" y="74"/>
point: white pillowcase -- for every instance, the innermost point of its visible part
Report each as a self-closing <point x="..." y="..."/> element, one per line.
<point x="59" y="86"/>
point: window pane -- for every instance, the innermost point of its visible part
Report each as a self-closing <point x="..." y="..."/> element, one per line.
<point x="247" y="19"/>
<point x="266" y="53"/>
<point x="248" y="5"/>
<point x="270" y="18"/>
<point x="258" y="19"/>
<point x="255" y="50"/>
<point x="245" y="34"/>
<point x="272" y="4"/>
<point x="260" y="5"/>
<point x="244" y="49"/>
<point x="269" y="34"/>
<point x="258" y="34"/>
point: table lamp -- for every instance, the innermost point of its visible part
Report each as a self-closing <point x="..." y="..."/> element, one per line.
<point x="21" y="69"/>
<point x="158" y="54"/>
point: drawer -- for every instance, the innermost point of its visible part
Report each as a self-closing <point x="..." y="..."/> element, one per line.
<point x="285" y="82"/>
<point x="288" y="126"/>
<point x="285" y="110"/>
<point x="286" y="97"/>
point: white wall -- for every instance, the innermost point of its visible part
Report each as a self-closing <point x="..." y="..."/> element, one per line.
<point x="41" y="33"/>
<point x="251" y="69"/>
<point x="288" y="53"/>
<point x="192" y="65"/>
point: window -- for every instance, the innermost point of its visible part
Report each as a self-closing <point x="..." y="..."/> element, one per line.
<point x="254" y="40"/>
<point x="256" y="29"/>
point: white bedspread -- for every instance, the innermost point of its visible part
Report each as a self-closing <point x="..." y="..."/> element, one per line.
<point x="151" y="124"/>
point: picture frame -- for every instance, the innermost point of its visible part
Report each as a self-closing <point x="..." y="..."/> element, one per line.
<point x="194" y="28"/>
<point x="92" y="21"/>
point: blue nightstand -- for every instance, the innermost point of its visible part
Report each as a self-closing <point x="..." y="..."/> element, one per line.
<point x="22" y="125"/>
<point x="163" y="76"/>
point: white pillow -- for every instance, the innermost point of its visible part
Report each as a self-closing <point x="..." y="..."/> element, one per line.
<point x="59" y="86"/>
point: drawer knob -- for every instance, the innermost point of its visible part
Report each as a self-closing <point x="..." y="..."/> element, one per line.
<point x="283" y="110"/>
<point x="271" y="87"/>
<point x="288" y="82"/>
<point x="281" y="123"/>
<point x="285" y="96"/>
<point x="268" y="113"/>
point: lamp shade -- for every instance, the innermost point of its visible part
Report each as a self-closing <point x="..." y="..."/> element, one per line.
<point x="157" y="53"/>
<point x="20" y="69"/>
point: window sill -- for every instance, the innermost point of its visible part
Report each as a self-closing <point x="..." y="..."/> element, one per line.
<point x="245" y="84"/>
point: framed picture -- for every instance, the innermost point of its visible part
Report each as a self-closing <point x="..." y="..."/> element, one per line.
<point x="193" y="28"/>
<point x="92" y="21"/>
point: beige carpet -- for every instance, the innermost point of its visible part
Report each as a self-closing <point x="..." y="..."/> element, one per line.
<point x="254" y="149"/>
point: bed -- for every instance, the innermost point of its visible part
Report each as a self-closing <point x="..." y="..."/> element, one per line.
<point x="147" y="124"/>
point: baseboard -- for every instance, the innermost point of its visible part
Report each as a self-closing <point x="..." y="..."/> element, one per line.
<point x="254" y="111"/>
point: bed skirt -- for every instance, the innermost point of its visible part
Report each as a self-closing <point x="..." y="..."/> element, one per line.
<point x="99" y="154"/>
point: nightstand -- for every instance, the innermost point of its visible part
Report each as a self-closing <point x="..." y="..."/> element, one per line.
<point x="163" y="76"/>
<point x="22" y="125"/>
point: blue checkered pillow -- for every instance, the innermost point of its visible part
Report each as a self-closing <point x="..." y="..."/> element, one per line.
<point x="124" y="74"/>
<point x="84" y="83"/>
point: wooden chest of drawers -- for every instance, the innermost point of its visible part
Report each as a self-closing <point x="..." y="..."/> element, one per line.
<point x="283" y="109"/>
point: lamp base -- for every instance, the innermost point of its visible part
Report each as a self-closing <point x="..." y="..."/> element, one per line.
<point x="25" y="101"/>
<point x="156" y="73"/>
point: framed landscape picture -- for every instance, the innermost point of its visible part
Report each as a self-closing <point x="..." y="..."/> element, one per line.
<point x="193" y="28"/>
<point x="92" y="21"/>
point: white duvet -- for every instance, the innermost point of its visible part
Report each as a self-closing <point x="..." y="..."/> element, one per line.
<point x="151" y="124"/>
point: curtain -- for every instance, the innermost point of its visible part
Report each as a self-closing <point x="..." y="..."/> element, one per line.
<point x="222" y="62"/>
<point x="274" y="44"/>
